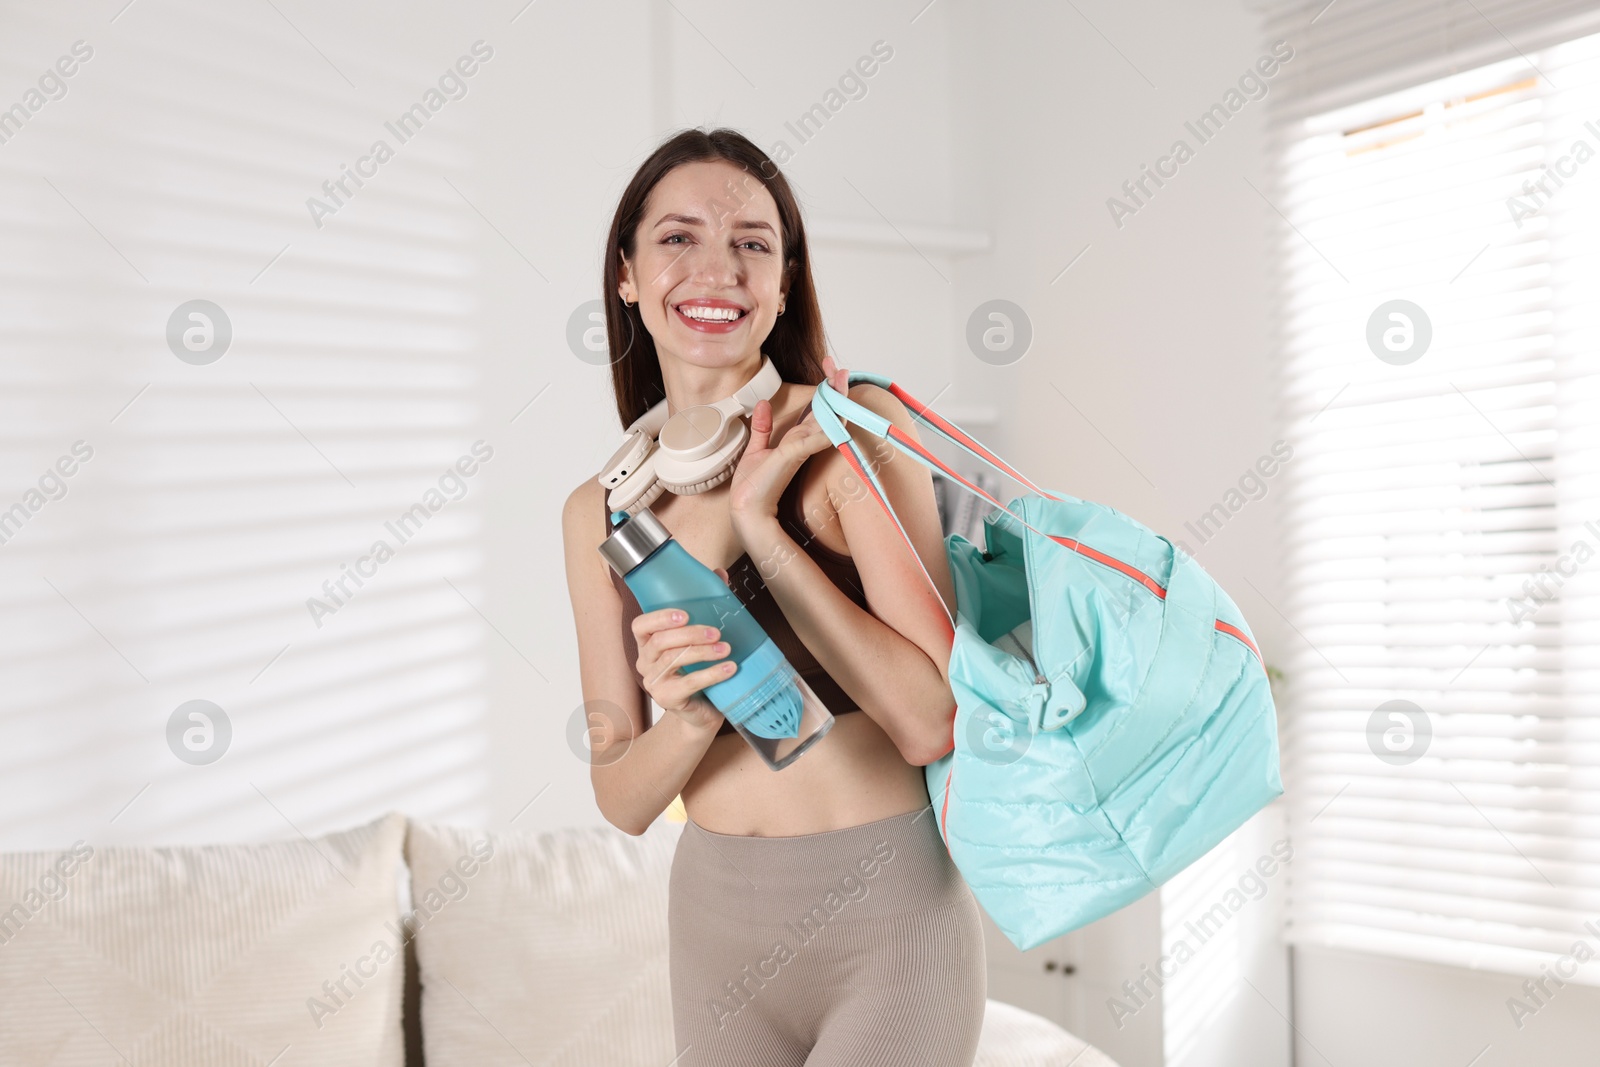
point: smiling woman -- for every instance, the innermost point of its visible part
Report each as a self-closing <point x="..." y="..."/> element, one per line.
<point x="706" y="273"/>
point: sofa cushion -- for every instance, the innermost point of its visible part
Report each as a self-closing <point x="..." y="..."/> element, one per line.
<point x="205" y="956"/>
<point x="552" y="949"/>
<point x="543" y="948"/>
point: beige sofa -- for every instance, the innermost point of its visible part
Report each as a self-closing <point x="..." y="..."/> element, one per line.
<point x="385" y="945"/>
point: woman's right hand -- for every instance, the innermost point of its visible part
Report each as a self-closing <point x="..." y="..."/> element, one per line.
<point x="665" y="644"/>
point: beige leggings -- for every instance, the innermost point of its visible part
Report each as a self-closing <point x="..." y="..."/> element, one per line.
<point x="860" y="946"/>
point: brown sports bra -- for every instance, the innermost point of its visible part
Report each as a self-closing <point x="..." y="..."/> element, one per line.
<point x="746" y="582"/>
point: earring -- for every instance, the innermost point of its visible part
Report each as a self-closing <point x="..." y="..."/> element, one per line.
<point x="625" y="303"/>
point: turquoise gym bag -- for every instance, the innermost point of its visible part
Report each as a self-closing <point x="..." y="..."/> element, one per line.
<point x="1114" y="721"/>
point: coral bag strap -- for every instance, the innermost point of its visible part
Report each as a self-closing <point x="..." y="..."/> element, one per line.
<point x="830" y="406"/>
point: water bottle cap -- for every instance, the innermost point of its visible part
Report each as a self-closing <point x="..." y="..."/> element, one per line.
<point x="632" y="542"/>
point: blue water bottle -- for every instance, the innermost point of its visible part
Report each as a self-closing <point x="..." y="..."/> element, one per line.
<point x="766" y="699"/>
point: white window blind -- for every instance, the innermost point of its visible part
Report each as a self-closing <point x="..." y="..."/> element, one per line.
<point x="1428" y="498"/>
<point x="179" y="561"/>
<point x="1350" y="51"/>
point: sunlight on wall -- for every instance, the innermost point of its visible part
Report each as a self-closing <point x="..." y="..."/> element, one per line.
<point x="1202" y="948"/>
<point x="177" y="562"/>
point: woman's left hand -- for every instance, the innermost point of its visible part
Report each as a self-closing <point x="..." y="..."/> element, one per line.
<point x="765" y="469"/>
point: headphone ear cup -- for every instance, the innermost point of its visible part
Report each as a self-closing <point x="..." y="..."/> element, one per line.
<point x="650" y="496"/>
<point x="627" y="459"/>
<point x="700" y="487"/>
<point x="687" y="477"/>
<point x="627" y="498"/>
<point x="641" y="487"/>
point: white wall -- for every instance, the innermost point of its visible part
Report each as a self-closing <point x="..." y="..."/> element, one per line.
<point x="1359" y="1008"/>
<point x="220" y="497"/>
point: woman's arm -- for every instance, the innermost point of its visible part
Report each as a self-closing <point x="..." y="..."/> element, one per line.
<point x="893" y="660"/>
<point x="635" y="769"/>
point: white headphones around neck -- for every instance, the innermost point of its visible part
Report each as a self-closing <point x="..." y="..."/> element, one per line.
<point x="694" y="450"/>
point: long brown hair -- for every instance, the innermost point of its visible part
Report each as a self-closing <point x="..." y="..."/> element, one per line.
<point x="796" y="344"/>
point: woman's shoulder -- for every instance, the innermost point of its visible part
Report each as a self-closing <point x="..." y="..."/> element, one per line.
<point x="588" y="493"/>
<point x="879" y="401"/>
<point x="583" y="515"/>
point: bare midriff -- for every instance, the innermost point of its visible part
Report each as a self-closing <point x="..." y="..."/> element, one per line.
<point x="853" y="775"/>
